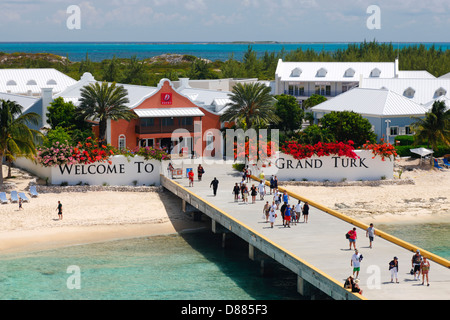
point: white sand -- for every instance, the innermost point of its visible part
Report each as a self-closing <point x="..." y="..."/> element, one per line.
<point x="87" y="217"/>
<point x="100" y="216"/>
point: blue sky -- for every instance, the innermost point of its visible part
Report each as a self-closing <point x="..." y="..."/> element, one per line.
<point x="225" y="20"/>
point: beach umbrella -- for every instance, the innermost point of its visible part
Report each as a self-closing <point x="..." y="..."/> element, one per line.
<point x="422" y="152"/>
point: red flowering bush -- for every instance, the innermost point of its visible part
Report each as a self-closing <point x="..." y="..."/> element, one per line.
<point x="254" y="151"/>
<point x="304" y="151"/>
<point x="383" y="150"/>
<point x="83" y="153"/>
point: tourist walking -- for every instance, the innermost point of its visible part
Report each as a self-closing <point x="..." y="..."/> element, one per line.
<point x="305" y="210"/>
<point x="275" y="182"/>
<point x="170" y="170"/>
<point x="214" y="184"/>
<point x="393" y="268"/>
<point x="253" y="192"/>
<point x="285" y="197"/>
<point x="370" y="232"/>
<point x="266" y="210"/>
<point x="282" y="211"/>
<point x="352" y="236"/>
<point x="262" y="189"/>
<point x="20" y="203"/>
<point x="276" y="198"/>
<point x="424" y="269"/>
<point x="355" y="262"/>
<point x="287" y="216"/>
<point x="416" y="261"/>
<point x="244" y="193"/>
<point x="60" y="210"/>
<point x="272" y="188"/>
<point x="200" y="172"/>
<point x="236" y="191"/>
<point x="191" y="178"/>
<point x="298" y="211"/>
<point x="272" y="214"/>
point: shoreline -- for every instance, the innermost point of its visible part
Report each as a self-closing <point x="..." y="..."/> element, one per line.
<point x="27" y="241"/>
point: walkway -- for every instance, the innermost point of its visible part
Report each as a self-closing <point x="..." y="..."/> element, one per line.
<point x="321" y="242"/>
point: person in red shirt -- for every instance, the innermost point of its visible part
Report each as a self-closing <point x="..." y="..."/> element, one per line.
<point x="191" y="178"/>
<point x="352" y="238"/>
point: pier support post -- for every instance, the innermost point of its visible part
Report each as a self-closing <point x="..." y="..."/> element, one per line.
<point x="224" y="236"/>
<point x="183" y="205"/>
<point x="251" y="252"/>
<point x="303" y="287"/>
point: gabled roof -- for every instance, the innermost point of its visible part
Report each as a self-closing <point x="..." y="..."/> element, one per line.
<point x="425" y="90"/>
<point x="26" y="81"/>
<point x="25" y="101"/>
<point x="136" y="94"/>
<point x="372" y="102"/>
<point x="332" y="71"/>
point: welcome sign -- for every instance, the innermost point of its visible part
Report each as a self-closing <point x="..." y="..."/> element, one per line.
<point x="329" y="168"/>
<point x="121" y="171"/>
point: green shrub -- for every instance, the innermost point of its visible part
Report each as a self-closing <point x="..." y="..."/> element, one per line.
<point x="405" y="140"/>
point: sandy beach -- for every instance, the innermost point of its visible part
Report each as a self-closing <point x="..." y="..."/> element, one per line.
<point x="107" y="215"/>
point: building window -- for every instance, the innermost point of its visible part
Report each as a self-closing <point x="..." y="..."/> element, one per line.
<point x="440" y="92"/>
<point x="394" y="131"/>
<point x="147" y="122"/>
<point x="209" y="141"/>
<point x="409" y="93"/>
<point x="167" y="122"/>
<point x="408" y="130"/>
<point x="185" y="121"/>
<point x="328" y="90"/>
<point x="122" y="142"/>
<point x="375" y="73"/>
<point x="349" y="73"/>
<point x="322" y="72"/>
<point x="296" y="72"/>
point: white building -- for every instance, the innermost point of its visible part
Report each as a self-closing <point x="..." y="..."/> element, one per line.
<point x="30" y="82"/>
<point x="389" y="113"/>
<point x="423" y="91"/>
<point x="329" y="79"/>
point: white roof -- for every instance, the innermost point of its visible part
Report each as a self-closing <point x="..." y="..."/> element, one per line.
<point x="422" y="74"/>
<point x="205" y="98"/>
<point x="136" y="94"/>
<point x="169" y="112"/>
<point x="372" y="102"/>
<point x="424" y="90"/>
<point x="25" y="101"/>
<point x="26" y="81"/>
<point x="333" y="71"/>
<point x="445" y="76"/>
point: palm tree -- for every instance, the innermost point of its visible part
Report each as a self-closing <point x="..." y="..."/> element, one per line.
<point x="102" y="102"/>
<point x="16" y="138"/>
<point x="251" y="106"/>
<point x="435" y="127"/>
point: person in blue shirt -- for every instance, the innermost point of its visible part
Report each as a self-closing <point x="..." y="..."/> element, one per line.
<point x="285" y="197"/>
<point x="287" y="216"/>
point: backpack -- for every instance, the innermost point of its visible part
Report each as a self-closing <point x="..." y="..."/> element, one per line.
<point x="347" y="236"/>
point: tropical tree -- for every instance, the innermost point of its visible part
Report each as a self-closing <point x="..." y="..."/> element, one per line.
<point x="290" y="113"/>
<point x="16" y="138"/>
<point x="313" y="100"/>
<point x="251" y="106"/>
<point x="102" y="102"/>
<point x="435" y="127"/>
<point x="348" y="125"/>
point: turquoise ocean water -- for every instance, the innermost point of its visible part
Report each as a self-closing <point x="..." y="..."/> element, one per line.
<point x="98" y="51"/>
<point x="190" y="266"/>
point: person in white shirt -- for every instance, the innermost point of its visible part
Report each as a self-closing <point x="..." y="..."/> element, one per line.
<point x="298" y="211"/>
<point x="356" y="263"/>
<point x="262" y="189"/>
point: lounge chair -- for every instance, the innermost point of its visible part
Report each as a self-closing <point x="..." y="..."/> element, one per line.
<point x="3" y="199"/>
<point x="33" y="191"/>
<point x="23" y="197"/>
<point x="437" y="166"/>
<point x="14" y="197"/>
<point x="446" y="163"/>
